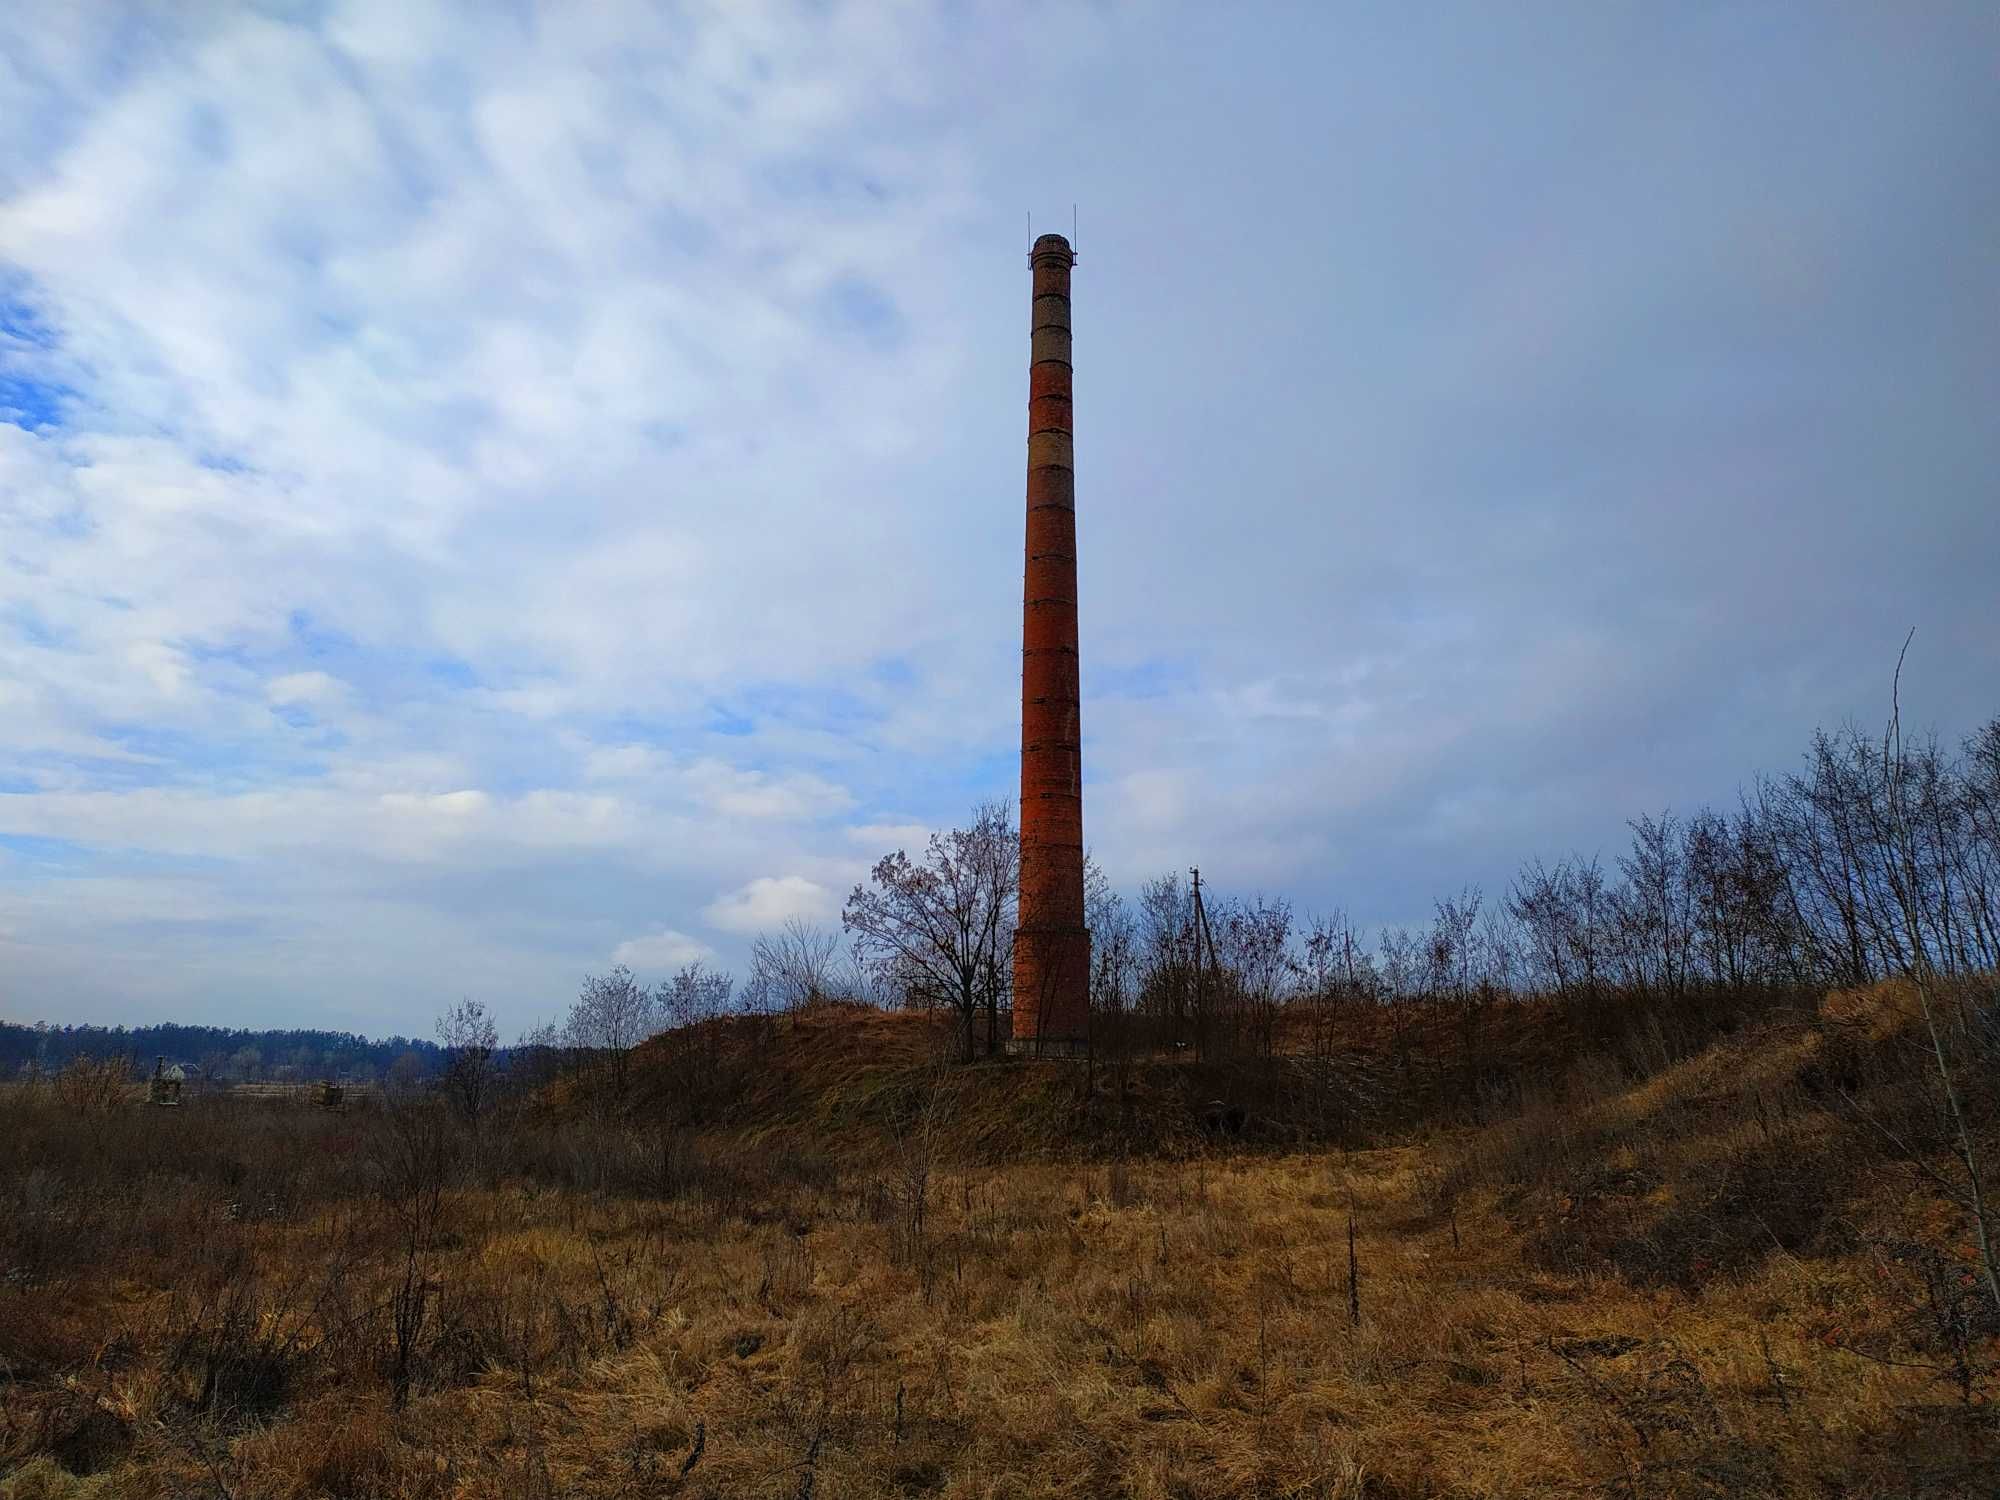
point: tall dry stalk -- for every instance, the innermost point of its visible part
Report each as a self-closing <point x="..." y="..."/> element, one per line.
<point x="920" y="1146"/>
<point x="1923" y="973"/>
<point x="1353" y="1276"/>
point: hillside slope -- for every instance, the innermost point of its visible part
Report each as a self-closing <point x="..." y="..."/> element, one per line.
<point x="1744" y="1271"/>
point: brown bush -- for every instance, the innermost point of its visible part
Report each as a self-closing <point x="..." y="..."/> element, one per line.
<point x="93" y="1086"/>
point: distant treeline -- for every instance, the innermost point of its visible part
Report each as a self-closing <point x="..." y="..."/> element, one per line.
<point x="235" y="1054"/>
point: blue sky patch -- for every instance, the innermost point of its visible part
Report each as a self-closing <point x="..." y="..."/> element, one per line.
<point x="450" y="672"/>
<point x="27" y="624"/>
<point x="21" y="324"/>
<point x="31" y="849"/>
<point x="1158" y="678"/>
<point x="318" y="640"/>
<point x="32" y="404"/>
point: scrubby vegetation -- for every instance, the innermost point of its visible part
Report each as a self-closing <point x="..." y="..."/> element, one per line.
<point x="1748" y="1271"/>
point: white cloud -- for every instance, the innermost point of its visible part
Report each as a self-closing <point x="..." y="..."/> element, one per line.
<point x="661" y="952"/>
<point x="309" y="688"/>
<point x="877" y="839"/>
<point x="768" y="902"/>
<point x="755" y="794"/>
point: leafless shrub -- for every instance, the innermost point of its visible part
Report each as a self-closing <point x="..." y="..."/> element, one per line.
<point x="470" y="1040"/>
<point x="613" y="1013"/>
<point x="796" y="966"/>
<point x="922" y="1134"/>
<point x="413" y="1159"/>
<point x="93" y="1086"/>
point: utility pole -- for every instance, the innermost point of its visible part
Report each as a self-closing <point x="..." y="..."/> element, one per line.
<point x="1194" y="938"/>
<point x="1204" y="936"/>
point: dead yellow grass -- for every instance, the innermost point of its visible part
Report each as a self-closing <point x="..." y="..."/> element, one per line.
<point x="1193" y="1341"/>
<point x="1158" y="1329"/>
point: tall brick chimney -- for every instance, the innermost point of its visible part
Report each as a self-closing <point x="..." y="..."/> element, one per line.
<point x="1051" y="946"/>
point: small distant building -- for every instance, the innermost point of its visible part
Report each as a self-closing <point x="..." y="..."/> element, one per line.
<point x="165" y="1085"/>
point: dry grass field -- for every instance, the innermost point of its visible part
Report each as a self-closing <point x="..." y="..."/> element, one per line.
<point x="1741" y="1274"/>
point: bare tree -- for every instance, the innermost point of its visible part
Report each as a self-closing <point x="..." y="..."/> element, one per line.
<point x="413" y="1161"/>
<point x="1332" y="977"/>
<point x="693" y="995"/>
<point x="613" y="1013"/>
<point x="1453" y="963"/>
<point x="1167" y="960"/>
<point x="795" y="966"/>
<point x="1654" y="924"/>
<point x="1566" y="921"/>
<point x="469" y="1039"/>
<point x="1739" y="934"/>
<point x="938" y="928"/>
<point x="1979" y="803"/>
<point x="697" y="1068"/>
<point x="536" y="1056"/>
<point x="1254" y="942"/>
<point x="1114" y="972"/>
<point x="1331" y="974"/>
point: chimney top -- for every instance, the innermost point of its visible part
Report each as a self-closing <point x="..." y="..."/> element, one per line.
<point x="1051" y="245"/>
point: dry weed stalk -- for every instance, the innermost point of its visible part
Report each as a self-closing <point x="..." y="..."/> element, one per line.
<point x="1923" y="973"/>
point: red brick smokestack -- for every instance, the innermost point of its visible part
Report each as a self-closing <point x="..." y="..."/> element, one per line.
<point x="1051" y="946"/>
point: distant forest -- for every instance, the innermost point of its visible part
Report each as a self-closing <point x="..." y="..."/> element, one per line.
<point x="220" y="1053"/>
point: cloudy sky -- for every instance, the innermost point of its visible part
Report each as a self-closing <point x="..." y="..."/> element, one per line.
<point x="489" y="493"/>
